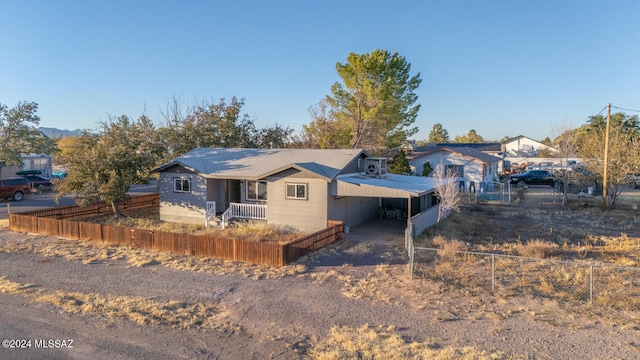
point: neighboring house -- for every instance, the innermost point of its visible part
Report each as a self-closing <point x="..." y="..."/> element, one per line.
<point x="522" y="146"/>
<point x="494" y="149"/>
<point x="41" y="162"/>
<point x="298" y="188"/>
<point x="473" y="166"/>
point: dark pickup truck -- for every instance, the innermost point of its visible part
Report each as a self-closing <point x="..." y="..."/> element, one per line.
<point x="533" y="177"/>
<point x="14" y="189"/>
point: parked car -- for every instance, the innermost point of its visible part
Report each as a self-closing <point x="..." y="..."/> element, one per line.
<point x="29" y="172"/>
<point x="634" y="181"/>
<point x="38" y="182"/>
<point x="59" y="174"/>
<point x="533" y="177"/>
<point x="14" y="189"/>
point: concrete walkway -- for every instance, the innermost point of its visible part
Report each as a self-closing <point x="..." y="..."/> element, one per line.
<point x="387" y="231"/>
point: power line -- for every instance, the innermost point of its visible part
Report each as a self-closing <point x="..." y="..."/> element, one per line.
<point x="619" y="108"/>
<point x="600" y="112"/>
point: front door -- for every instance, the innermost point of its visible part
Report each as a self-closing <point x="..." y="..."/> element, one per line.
<point x="233" y="193"/>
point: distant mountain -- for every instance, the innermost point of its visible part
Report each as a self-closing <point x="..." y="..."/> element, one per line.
<point x="50" y="132"/>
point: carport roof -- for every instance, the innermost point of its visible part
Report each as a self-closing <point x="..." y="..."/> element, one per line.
<point x="389" y="186"/>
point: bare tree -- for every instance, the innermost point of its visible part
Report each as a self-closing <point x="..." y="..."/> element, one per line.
<point x="565" y="143"/>
<point x="447" y="190"/>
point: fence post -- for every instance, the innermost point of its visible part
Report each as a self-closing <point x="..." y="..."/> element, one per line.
<point x="591" y="283"/>
<point x="493" y="272"/>
<point x="413" y="251"/>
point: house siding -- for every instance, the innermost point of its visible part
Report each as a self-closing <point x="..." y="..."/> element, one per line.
<point x="525" y="147"/>
<point x="353" y="211"/>
<point x="474" y="170"/>
<point x="216" y="192"/>
<point x="352" y="167"/>
<point x="304" y="215"/>
<point x="182" y="207"/>
<point x="425" y="219"/>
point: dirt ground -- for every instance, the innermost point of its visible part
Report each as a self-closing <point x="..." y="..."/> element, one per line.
<point x="250" y="312"/>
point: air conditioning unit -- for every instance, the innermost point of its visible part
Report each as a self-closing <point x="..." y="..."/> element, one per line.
<point x="375" y="167"/>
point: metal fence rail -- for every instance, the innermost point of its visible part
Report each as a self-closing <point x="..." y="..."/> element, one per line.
<point x="506" y="275"/>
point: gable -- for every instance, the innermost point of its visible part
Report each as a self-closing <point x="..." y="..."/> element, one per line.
<point x="294" y="173"/>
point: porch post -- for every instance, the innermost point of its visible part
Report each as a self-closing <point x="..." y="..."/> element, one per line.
<point x="409" y="212"/>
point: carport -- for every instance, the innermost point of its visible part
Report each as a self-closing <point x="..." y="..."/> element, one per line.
<point x="416" y="192"/>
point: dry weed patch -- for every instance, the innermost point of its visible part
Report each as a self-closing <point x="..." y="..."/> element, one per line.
<point x="538" y="249"/>
<point x="92" y="253"/>
<point x="138" y="309"/>
<point x="369" y="342"/>
<point x="149" y="219"/>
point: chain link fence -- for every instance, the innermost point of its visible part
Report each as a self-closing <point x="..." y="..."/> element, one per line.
<point x="506" y="275"/>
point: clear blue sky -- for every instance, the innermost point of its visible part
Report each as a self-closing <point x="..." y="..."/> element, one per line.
<point x="503" y="68"/>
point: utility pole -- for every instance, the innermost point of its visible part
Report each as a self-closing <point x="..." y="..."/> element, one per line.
<point x="606" y="160"/>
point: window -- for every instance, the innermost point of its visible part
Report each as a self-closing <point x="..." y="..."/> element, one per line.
<point x="296" y="191"/>
<point x="459" y="169"/>
<point x="181" y="185"/>
<point x="256" y="190"/>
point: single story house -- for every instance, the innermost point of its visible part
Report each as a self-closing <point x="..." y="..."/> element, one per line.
<point x="473" y="166"/>
<point x="298" y="188"/>
<point x="522" y="146"/>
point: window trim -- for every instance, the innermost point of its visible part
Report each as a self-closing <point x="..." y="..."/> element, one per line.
<point x="296" y="197"/>
<point x="257" y="190"/>
<point x="182" y="181"/>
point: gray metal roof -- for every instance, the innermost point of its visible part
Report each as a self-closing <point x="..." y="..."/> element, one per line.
<point x="240" y="163"/>
<point x="390" y="186"/>
<point x="466" y="151"/>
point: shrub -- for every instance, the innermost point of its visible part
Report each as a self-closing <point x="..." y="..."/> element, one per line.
<point x="449" y="245"/>
<point x="538" y="249"/>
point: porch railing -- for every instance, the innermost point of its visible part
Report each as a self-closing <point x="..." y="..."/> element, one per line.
<point x="244" y="211"/>
<point x="210" y="213"/>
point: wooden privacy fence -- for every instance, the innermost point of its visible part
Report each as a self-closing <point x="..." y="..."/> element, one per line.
<point x="47" y="222"/>
<point x="71" y="211"/>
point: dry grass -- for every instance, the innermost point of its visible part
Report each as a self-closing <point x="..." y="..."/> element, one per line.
<point x="538" y="249"/>
<point x="540" y="228"/>
<point x="448" y="245"/>
<point x="137" y="309"/>
<point x="371" y="287"/>
<point x="369" y="342"/>
<point x="615" y="288"/>
<point x="149" y="219"/>
<point x="90" y="253"/>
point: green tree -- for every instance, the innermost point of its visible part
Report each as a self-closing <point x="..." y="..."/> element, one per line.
<point x="472" y="138"/>
<point x="438" y="135"/>
<point x="208" y="125"/>
<point x="376" y="101"/>
<point x="427" y="169"/>
<point x="624" y="147"/>
<point x="276" y="136"/>
<point x="400" y="164"/>
<point x="102" y="166"/>
<point x="324" y="131"/>
<point x="19" y="134"/>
